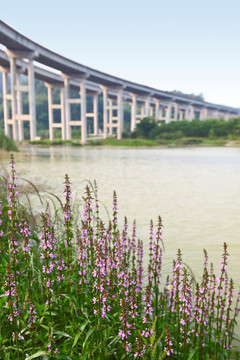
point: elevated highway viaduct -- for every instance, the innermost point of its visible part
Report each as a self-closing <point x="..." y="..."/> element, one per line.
<point x="21" y="55"/>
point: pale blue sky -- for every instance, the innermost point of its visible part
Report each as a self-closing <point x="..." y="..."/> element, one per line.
<point x="192" y="46"/>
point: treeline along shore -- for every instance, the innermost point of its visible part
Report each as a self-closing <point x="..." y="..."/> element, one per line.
<point x="150" y="132"/>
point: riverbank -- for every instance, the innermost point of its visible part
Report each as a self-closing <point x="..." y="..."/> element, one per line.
<point x="183" y="142"/>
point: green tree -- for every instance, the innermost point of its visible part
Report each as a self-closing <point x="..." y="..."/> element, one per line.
<point x="146" y="128"/>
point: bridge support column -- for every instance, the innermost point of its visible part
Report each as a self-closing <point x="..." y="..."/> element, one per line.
<point x="52" y="107"/>
<point x="133" y="112"/>
<point x="110" y="116"/>
<point x="175" y="112"/>
<point x="105" y="112"/>
<point x="83" y="112"/>
<point x="204" y="114"/>
<point x="189" y="114"/>
<point x="168" y="113"/>
<point x="120" y="114"/>
<point x="67" y="108"/>
<point x="109" y="121"/>
<point x="142" y="111"/>
<point x="147" y="107"/>
<point x="157" y="109"/>
<point x="19" y="107"/>
<point x="95" y="114"/>
<point x="63" y="112"/>
<point x="226" y="116"/>
<point x="180" y="115"/>
<point x="161" y="113"/>
<point x="5" y="101"/>
<point x="216" y="114"/>
<point x="13" y="98"/>
<point x="151" y="111"/>
<point x="82" y="122"/>
<point x="50" y="113"/>
<point x="32" y="107"/>
<point x="16" y="89"/>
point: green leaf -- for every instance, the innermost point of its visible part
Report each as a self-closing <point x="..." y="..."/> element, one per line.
<point x="49" y="313"/>
<point x="83" y="326"/>
<point x="114" y="341"/>
<point x="34" y="356"/>
<point x="44" y="327"/>
<point x="76" y="338"/>
<point x="88" y="335"/>
<point x="192" y="353"/>
<point x="61" y="333"/>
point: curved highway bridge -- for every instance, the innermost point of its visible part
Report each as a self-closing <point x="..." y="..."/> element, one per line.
<point x="21" y="56"/>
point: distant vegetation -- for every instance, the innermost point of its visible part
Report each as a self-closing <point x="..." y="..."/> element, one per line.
<point x="6" y="143"/>
<point x="150" y="132"/>
<point x="151" y="129"/>
<point x="193" y="96"/>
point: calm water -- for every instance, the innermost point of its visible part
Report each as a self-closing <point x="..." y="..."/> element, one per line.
<point x="195" y="190"/>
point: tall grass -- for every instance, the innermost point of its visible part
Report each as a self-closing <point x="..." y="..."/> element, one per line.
<point x="6" y="143"/>
<point x="80" y="292"/>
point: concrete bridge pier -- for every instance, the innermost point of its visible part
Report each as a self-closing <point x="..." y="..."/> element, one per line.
<point x="157" y="110"/>
<point x="181" y="114"/>
<point x="109" y="120"/>
<point x="226" y="116"/>
<point x="82" y="121"/>
<point x="111" y="108"/>
<point x="13" y="97"/>
<point x="52" y="107"/>
<point x="120" y="113"/>
<point x="168" y="113"/>
<point x="32" y="105"/>
<point x="105" y="111"/>
<point x="19" y="112"/>
<point x="189" y="113"/>
<point x="6" y="97"/>
<point x="147" y="107"/>
<point x="151" y="111"/>
<point x="161" y="114"/>
<point x="142" y="111"/>
<point x="203" y="114"/>
<point x="133" y="112"/>
<point x="175" y="111"/>
<point x="83" y="105"/>
<point x="16" y="97"/>
<point x="216" y="114"/>
<point x="67" y="107"/>
<point x="95" y="114"/>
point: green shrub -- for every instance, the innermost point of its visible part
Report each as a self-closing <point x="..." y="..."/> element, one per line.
<point x="6" y="143"/>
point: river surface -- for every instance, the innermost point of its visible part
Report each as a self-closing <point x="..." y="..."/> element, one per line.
<point x="195" y="190"/>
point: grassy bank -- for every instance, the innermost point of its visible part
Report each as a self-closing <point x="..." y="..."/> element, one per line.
<point x="55" y="142"/>
<point x="138" y="142"/>
<point x="185" y="141"/>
